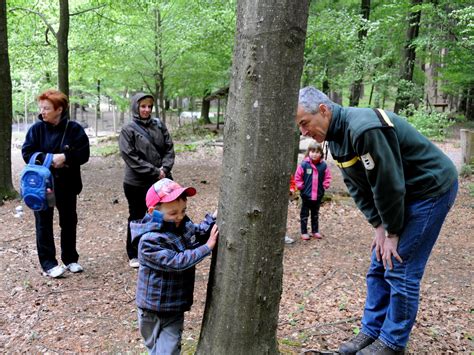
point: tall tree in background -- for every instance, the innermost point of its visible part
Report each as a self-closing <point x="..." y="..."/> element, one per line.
<point x="6" y="185"/>
<point x="63" y="50"/>
<point x="245" y="284"/>
<point x="356" y="87"/>
<point x="408" y="58"/>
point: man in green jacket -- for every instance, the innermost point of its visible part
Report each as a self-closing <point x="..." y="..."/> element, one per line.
<point x="405" y="186"/>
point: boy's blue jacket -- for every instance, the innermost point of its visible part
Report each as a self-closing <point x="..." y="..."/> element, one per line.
<point x="168" y="256"/>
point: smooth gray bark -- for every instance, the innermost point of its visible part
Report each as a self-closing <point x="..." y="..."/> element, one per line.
<point x="245" y="285"/>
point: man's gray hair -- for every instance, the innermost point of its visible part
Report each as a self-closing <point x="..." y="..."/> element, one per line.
<point x="310" y="99"/>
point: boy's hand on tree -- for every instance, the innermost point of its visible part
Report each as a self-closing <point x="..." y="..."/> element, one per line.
<point x="212" y="241"/>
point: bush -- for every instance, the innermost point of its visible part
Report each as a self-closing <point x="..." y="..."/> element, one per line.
<point x="189" y="132"/>
<point x="466" y="170"/>
<point x="433" y="125"/>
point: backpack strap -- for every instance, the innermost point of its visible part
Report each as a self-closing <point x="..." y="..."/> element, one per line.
<point x="33" y="158"/>
<point x="46" y="162"/>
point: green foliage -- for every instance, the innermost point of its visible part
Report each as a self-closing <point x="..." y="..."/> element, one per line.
<point x="466" y="170"/>
<point x="104" y="150"/>
<point x="192" y="132"/>
<point x="180" y="148"/>
<point x="433" y="124"/>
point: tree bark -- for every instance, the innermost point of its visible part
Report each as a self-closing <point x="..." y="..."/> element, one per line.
<point x="356" y="87"/>
<point x="245" y="284"/>
<point x="6" y="185"/>
<point x="409" y="56"/>
<point x="63" y="50"/>
<point x="159" y="70"/>
<point x="205" y="107"/>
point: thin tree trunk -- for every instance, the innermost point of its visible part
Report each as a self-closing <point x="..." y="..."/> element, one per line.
<point x="356" y="87"/>
<point x="218" y="112"/>
<point x="159" y="76"/>
<point x="409" y="56"/>
<point x="63" y="51"/>
<point x="245" y="284"/>
<point x="97" y="110"/>
<point x="6" y="184"/>
<point x="205" y="107"/>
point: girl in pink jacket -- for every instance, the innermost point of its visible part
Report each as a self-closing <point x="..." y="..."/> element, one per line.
<point x="312" y="178"/>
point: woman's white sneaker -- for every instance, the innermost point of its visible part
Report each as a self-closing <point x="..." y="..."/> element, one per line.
<point x="55" y="272"/>
<point x="134" y="263"/>
<point x="75" y="267"/>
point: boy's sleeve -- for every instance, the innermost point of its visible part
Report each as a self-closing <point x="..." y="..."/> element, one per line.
<point x="153" y="253"/>
<point x="202" y="231"/>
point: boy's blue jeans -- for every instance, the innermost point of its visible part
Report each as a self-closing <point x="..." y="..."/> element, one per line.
<point x="162" y="335"/>
<point x="392" y="295"/>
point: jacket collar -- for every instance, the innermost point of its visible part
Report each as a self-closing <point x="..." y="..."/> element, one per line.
<point x="337" y="126"/>
<point x="62" y="120"/>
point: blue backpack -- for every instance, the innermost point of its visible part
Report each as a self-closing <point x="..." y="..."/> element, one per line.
<point x="34" y="182"/>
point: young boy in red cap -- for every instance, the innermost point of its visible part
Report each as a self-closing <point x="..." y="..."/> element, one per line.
<point x="169" y="247"/>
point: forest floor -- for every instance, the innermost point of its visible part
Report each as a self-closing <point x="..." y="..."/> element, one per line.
<point x="323" y="286"/>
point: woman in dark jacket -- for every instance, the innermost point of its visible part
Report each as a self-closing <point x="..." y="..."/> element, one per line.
<point x="147" y="149"/>
<point x="55" y="133"/>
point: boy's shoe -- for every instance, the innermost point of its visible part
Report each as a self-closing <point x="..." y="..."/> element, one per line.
<point x="359" y="342"/>
<point x="134" y="263"/>
<point x="74" y="267"/>
<point x="55" y="272"/>
<point x="379" y="348"/>
<point x="305" y="237"/>
<point x="289" y="240"/>
<point x="317" y="236"/>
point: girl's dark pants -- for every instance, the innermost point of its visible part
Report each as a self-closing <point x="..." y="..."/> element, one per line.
<point x="307" y="207"/>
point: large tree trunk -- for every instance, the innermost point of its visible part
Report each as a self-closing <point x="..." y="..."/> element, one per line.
<point x="409" y="56"/>
<point x="63" y="51"/>
<point x="241" y="314"/>
<point x="356" y="87"/>
<point x="6" y="185"/>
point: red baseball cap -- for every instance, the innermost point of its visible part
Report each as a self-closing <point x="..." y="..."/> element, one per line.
<point x="166" y="190"/>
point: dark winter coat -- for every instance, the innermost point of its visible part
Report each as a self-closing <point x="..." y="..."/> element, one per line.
<point x="47" y="138"/>
<point x="143" y="159"/>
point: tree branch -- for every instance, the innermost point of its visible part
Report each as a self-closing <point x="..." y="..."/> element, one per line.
<point x="86" y="10"/>
<point x="146" y="82"/>
<point x="42" y="16"/>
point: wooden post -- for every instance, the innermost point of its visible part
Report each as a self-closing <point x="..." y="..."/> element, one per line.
<point x="467" y="145"/>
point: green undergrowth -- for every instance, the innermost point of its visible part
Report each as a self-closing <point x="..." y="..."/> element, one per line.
<point x="104" y="150"/>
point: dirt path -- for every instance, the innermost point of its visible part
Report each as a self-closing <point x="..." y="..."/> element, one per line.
<point x="324" y="283"/>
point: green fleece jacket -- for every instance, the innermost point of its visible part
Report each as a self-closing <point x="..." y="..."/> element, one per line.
<point x="386" y="163"/>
